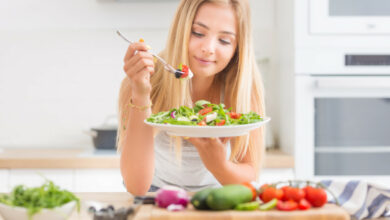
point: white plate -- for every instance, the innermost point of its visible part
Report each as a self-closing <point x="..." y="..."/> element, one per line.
<point x="20" y="213"/>
<point x="208" y="131"/>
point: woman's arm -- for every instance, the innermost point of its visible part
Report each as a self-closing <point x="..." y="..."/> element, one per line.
<point x="136" y="138"/>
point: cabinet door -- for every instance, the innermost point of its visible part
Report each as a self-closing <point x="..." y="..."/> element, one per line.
<point x="98" y="180"/>
<point x="271" y="175"/>
<point x="36" y="177"/>
<point x="4" y="180"/>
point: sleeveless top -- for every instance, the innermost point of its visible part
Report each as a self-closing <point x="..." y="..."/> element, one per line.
<point x="190" y="174"/>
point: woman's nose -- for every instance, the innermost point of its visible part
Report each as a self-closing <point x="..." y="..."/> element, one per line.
<point x="208" y="47"/>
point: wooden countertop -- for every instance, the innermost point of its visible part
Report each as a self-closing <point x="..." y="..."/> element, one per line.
<point x="149" y="212"/>
<point x="122" y="199"/>
<point x="73" y="158"/>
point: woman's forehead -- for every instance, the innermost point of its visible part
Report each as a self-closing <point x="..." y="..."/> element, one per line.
<point x="216" y="16"/>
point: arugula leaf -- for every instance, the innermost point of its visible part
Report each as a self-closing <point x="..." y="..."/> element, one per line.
<point x="34" y="199"/>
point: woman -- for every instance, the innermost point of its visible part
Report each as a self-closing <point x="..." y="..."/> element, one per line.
<point x="214" y="37"/>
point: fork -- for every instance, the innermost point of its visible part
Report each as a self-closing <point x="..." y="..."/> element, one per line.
<point x="168" y="67"/>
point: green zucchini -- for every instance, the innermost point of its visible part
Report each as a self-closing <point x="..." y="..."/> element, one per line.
<point x="229" y="196"/>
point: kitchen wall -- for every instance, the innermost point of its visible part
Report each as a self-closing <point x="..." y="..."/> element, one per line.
<point x="61" y="63"/>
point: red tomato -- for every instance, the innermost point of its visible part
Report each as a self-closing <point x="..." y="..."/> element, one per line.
<point x="316" y="196"/>
<point x="202" y="123"/>
<point x="206" y="110"/>
<point x="250" y="186"/>
<point x="222" y="122"/>
<point x="289" y="205"/>
<point x="184" y="69"/>
<point x="304" y="204"/>
<point x="269" y="193"/>
<point x="293" y="193"/>
<point x="234" y="115"/>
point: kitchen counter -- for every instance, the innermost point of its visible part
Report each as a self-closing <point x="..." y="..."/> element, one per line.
<point x="119" y="200"/>
<point x="123" y="199"/>
<point x="148" y="212"/>
<point x="26" y="158"/>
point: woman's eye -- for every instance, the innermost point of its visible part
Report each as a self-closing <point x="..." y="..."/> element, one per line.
<point x="197" y="34"/>
<point x="225" y="42"/>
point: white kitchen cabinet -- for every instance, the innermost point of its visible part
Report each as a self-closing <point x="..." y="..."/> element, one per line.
<point x="36" y="177"/>
<point x="4" y="180"/>
<point x="271" y="175"/>
<point x="98" y="180"/>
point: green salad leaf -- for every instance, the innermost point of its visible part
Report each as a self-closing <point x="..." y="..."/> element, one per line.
<point x="204" y="113"/>
<point x="34" y="199"/>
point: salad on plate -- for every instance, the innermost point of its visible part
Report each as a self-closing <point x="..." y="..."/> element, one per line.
<point x="204" y="113"/>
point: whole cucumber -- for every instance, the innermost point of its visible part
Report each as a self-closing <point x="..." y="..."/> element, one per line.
<point x="229" y="196"/>
<point x="198" y="200"/>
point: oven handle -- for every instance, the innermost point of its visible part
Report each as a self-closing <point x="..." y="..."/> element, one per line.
<point x="353" y="83"/>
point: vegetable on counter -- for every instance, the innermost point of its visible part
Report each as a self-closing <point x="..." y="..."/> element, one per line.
<point x="199" y="199"/>
<point x="269" y="205"/>
<point x="204" y="113"/>
<point x="47" y="196"/>
<point x="172" y="196"/>
<point x="248" y="206"/>
<point x="229" y="196"/>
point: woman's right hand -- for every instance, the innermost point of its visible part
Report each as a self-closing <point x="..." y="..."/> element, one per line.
<point x="138" y="66"/>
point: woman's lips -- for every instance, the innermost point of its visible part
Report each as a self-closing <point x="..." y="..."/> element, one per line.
<point x="204" y="62"/>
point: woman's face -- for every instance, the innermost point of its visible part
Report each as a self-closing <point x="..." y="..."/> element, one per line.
<point x="213" y="39"/>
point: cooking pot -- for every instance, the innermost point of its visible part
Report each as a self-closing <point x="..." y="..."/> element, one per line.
<point x="104" y="136"/>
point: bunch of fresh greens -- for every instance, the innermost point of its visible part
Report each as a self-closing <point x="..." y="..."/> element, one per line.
<point x="204" y="113"/>
<point x="34" y="199"/>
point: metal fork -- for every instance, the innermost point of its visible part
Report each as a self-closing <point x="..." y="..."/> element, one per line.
<point x="168" y="67"/>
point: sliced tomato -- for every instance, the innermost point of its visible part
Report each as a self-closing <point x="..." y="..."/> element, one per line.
<point x="202" y="123"/>
<point x="222" y="122"/>
<point x="289" y="205"/>
<point x="304" y="204"/>
<point x="234" y="115"/>
<point x="206" y="110"/>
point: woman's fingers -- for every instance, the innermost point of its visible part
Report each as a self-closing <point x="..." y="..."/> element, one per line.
<point x="138" y="63"/>
<point x="204" y="142"/>
<point x="136" y="46"/>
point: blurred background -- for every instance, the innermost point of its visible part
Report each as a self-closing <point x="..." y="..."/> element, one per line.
<point x="325" y="66"/>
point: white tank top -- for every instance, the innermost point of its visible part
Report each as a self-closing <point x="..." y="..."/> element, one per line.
<point x="191" y="175"/>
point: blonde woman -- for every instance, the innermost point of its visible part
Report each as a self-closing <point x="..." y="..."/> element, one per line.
<point x="214" y="37"/>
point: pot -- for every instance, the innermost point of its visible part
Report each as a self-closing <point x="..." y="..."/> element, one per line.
<point x="104" y="136"/>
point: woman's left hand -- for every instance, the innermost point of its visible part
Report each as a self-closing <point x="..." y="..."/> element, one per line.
<point x="212" y="151"/>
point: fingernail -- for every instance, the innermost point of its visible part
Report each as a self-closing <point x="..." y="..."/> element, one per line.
<point x="213" y="138"/>
<point x="141" y="40"/>
<point x="148" y="47"/>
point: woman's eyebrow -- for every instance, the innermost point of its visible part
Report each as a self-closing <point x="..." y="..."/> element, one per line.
<point x="205" y="26"/>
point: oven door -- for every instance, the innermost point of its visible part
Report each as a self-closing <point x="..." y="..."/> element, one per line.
<point x="349" y="16"/>
<point x="343" y="126"/>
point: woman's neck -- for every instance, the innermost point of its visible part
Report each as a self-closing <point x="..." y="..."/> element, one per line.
<point x="206" y="89"/>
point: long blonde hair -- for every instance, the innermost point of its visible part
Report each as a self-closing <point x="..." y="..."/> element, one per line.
<point x="241" y="77"/>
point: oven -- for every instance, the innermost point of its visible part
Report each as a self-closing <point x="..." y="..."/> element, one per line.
<point x="343" y="126"/>
<point x="349" y="16"/>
